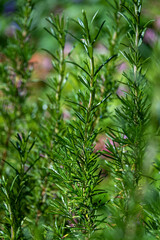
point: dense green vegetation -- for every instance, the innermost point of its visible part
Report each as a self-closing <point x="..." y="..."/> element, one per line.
<point x="79" y="120"/>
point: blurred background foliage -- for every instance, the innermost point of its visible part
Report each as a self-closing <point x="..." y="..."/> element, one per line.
<point x="72" y="9"/>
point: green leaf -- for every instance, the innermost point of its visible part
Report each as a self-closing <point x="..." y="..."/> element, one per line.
<point x="13" y="182"/>
<point x="85" y="21"/>
<point x="19" y="137"/>
<point x="129" y="11"/>
<point x="150" y="21"/>
<point x="11" y="166"/>
<point x="77" y="104"/>
<point x="31" y="146"/>
<point x="108" y="60"/>
<point x="32" y="165"/>
<point x="94" y="16"/>
<point x="101" y="102"/>
<point x="53" y="35"/>
<point x="52" y="23"/>
<point x="84" y="82"/>
<point x="98" y="32"/>
<point x="127" y="57"/>
<point x="76" y="64"/>
<point x="81" y="23"/>
<point x="80" y="117"/>
<point x="127" y="19"/>
<point x="75" y="38"/>
<point x="51" y="54"/>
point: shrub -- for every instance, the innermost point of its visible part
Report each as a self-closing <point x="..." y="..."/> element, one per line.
<point x="89" y="168"/>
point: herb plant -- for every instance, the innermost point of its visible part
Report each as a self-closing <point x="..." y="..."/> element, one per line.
<point x="70" y="183"/>
<point x="15" y="74"/>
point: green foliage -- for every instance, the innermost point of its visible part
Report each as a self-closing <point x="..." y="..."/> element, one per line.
<point x="15" y="75"/>
<point x="16" y="191"/>
<point x="93" y="170"/>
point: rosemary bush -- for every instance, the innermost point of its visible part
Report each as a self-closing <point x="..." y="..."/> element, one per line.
<point x="15" y="75"/>
<point x="93" y="174"/>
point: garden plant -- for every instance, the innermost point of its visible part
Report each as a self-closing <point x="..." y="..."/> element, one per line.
<point x="79" y="145"/>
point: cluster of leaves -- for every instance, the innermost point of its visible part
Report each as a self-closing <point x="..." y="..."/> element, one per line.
<point x="15" y="74"/>
<point x="17" y="191"/>
<point x="76" y="169"/>
<point x="73" y="192"/>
